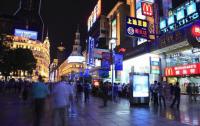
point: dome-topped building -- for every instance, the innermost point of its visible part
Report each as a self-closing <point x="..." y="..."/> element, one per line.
<point x="76" y="55"/>
<point x="74" y="63"/>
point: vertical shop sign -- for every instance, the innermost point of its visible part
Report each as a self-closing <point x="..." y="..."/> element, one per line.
<point x="91" y="51"/>
<point x="155" y="65"/>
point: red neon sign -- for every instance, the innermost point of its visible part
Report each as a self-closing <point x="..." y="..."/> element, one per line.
<point x="196" y="31"/>
<point x="189" y="69"/>
<point x="147" y="9"/>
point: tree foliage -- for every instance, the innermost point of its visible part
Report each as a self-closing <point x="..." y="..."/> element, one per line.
<point x="15" y="60"/>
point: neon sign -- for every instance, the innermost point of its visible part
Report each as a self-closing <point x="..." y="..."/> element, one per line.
<point x="94" y="15"/>
<point x="26" y="34"/>
<point x="91" y="45"/>
<point x="196" y="31"/>
<point x="189" y="69"/>
<point x="183" y="15"/>
<point x="147" y="9"/>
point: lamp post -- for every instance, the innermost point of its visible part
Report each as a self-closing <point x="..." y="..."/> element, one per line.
<point x="112" y="42"/>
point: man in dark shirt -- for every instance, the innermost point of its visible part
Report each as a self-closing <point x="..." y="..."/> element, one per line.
<point x="177" y="95"/>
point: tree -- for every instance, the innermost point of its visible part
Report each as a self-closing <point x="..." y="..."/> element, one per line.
<point x="16" y="60"/>
<point x="23" y="60"/>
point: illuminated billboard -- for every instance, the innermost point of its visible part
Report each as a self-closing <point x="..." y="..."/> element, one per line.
<point x="140" y="85"/>
<point x="26" y="33"/>
<point x="94" y="15"/>
<point x="191" y="8"/>
<point x="183" y="15"/>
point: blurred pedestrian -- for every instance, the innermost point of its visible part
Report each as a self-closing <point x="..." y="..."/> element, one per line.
<point x="155" y="93"/>
<point x="189" y="92"/>
<point x="62" y="95"/>
<point x="105" y="90"/>
<point x="40" y="92"/>
<point x="86" y="89"/>
<point x="161" y="94"/>
<point x="195" y="91"/>
<point x="177" y="95"/>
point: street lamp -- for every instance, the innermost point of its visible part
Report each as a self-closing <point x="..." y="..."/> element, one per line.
<point x="112" y="44"/>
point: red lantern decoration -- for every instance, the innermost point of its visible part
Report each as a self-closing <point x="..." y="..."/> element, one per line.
<point x="196" y="30"/>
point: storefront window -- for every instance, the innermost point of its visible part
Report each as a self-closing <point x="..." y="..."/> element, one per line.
<point x="182" y="58"/>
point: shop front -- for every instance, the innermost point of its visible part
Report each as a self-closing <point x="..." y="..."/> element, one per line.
<point x="140" y="61"/>
<point x="183" y="66"/>
<point x="180" y="50"/>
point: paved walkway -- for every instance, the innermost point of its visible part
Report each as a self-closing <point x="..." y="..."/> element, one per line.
<point x="14" y="112"/>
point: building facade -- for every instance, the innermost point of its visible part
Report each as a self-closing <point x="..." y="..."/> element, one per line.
<point x="74" y="64"/>
<point x="40" y="52"/>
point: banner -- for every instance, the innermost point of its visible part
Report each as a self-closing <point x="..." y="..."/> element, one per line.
<point x="106" y="61"/>
<point x="118" y="62"/>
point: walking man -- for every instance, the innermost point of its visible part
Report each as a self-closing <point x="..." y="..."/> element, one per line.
<point x="62" y="94"/>
<point x="177" y="95"/>
<point x="39" y="92"/>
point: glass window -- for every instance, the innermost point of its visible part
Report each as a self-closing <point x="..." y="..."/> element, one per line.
<point x="182" y="58"/>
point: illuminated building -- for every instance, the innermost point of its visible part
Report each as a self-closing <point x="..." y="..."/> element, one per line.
<point x="40" y="51"/>
<point x="74" y="64"/>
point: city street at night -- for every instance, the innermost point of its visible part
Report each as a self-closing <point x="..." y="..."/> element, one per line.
<point x="15" y="113"/>
<point x="100" y="63"/>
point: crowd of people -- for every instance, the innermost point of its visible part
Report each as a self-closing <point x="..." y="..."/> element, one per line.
<point x="64" y="94"/>
<point x="160" y="92"/>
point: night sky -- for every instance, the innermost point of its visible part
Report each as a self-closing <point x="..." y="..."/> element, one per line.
<point x="61" y="17"/>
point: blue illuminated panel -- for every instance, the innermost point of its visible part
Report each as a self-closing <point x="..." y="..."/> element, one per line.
<point x="191" y="8"/>
<point x="180" y="15"/>
<point x="26" y="34"/>
<point x="163" y="24"/>
<point x="170" y="20"/>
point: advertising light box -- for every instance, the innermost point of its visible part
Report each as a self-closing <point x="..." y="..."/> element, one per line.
<point x="26" y="34"/>
<point x="170" y="20"/>
<point x="163" y="24"/>
<point x="140" y="85"/>
<point x="191" y="8"/>
<point x="180" y="14"/>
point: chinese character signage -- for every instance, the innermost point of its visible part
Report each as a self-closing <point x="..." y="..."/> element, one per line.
<point x="118" y="62"/>
<point x="190" y="69"/>
<point x="136" y="27"/>
<point x="147" y="9"/>
<point x="26" y="34"/>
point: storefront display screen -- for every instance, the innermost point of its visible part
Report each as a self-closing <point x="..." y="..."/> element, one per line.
<point x="140" y="86"/>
